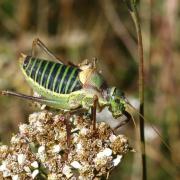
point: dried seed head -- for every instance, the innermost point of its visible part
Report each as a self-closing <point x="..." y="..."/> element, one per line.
<point x="120" y="145"/>
<point x="40" y="149"/>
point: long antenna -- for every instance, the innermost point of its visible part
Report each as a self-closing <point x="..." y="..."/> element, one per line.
<point x="152" y="126"/>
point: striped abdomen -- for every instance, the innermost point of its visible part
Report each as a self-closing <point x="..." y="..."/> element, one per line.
<point x="56" y="77"/>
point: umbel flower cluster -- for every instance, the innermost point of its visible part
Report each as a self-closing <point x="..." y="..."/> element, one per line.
<point x="40" y="149"/>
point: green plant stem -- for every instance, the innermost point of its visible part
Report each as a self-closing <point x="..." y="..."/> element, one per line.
<point x="136" y="20"/>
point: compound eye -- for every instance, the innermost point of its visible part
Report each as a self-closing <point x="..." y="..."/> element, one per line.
<point x="117" y="101"/>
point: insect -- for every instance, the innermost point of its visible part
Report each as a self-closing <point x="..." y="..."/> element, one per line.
<point x="69" y="87"/>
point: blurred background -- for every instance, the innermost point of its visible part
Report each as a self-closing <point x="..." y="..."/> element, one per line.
<point x="78" y="29"/>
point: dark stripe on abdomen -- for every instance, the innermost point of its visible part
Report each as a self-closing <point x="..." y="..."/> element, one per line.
<point x="58" y="81"/>
<point x="78" y="86"/>
<point x="46" y="74"/>
<point x="34" y="69"/>
<point x="53" y="75"/>
<point x="72" y="81"/>
<point x="64" y="83"/>
<point x="40" y="71"/>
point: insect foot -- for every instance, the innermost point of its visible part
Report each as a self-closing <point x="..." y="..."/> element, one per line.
<point x="38" y="151"/>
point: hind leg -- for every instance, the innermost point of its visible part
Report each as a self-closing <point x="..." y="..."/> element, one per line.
<point x="38" y="42"/>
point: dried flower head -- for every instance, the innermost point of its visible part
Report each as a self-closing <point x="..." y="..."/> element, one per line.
<point x="40" y="150"/>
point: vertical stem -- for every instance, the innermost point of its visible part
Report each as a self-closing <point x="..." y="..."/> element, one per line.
<point x="95" y="99"/>
<point x="94" y="119"/>
<point x="68" y="130"/>
<point x="136" y="20"/>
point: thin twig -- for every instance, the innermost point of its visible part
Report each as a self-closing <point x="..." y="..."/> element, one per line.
<point x="135" y="17"/>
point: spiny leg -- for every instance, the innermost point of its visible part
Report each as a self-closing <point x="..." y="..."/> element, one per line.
<point x="38" y="42"/>
<point x="31" y="98"/>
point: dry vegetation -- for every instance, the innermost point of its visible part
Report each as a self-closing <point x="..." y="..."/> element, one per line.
<point x="75" y="30"/>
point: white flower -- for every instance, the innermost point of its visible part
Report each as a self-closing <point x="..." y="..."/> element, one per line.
<point x="112" y="138"/>
<point x="6" y="173"/>
<point x="23" y="128"/>
<point x="33" y="117"/>
<point x="105" y="153"/>
<point x="35" y="173"/>
<point x="56" y="148"/>
<point x="79" y="147"/>
<point x="27" y="169"/>
<point x="71" y="119"/>
<point x="39" y="126"/>
<point x="3" y="166"/>
<point x="14" y="157"/>
<point x="3" y="148"/>
<point x="117" y="160"/>
<point x="102" y="157"/>
<point x="41" y="153"/>
<point x="15" y="177"/>
<point x="15" y="139"/>
<point x="35" y="164"/>
<point x="21" y="158"/>
<point x="44" y="115"/>
<point x="100" y="161"/>
<point x="84" y="131"/>
<point x="41" y="149"/>
<point x="4" y="169"/>
<point x="76" y="165"/>
<point x="67" y="171"/>
<point x="53" y="176"/>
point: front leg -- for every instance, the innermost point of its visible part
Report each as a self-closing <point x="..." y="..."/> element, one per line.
<point x="93" y="104"/>
<point x="128" y="118"/>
